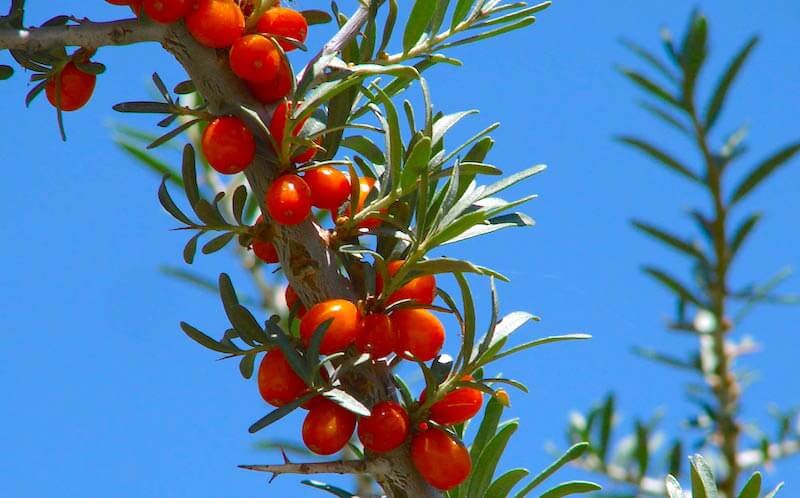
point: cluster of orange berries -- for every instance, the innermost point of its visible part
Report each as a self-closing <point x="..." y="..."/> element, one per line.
<point x="439" y="457"/>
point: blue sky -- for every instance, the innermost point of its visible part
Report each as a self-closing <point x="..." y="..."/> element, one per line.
<point x="104" y="396"/>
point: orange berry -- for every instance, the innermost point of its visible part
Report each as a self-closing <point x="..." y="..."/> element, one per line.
<point x="288" y="200"/>
<point x="166" y="11"/>
<point x="228" y="145"/>
<point x="255" y="58"/>
<point x="284" y="22"/>
<point x="329" y="187"/>
<point x="265" y="251"/>
<point x="327" y="427"/>
<point x="385" y="429"/>
<point x="343" y="329"/>
<point x="420" y="289"/>
<point x="365" y="186"/>
<point x="459" y="405"/>
<point x="277" y="381"/>
<point x="76" y="87"/>
<point x="277" y="127"/>
<point x="418" y="332"/>
<point x="440" y="458"/>
<point x="215" y="23"/>
<point x="292" y="298"/>
<point x="376" y="336"/>
<point x="272" y="91"/>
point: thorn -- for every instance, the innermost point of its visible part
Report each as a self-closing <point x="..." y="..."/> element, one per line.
<point x="274" y="475"/>
<point x="285" y="456"/>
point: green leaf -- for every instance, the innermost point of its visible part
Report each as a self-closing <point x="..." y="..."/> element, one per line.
<point x="675" y="459"/>
<point x="660" y="156"/>
<point x="238" y="203"/>
<point x="173" y="133"/>
<point x="540" y="342"/>
<point x="460" y="12"/>
<point x="417" y="164"/>
<point x="151" y="162"/>
<point x="606" y="427"/>
<point x="703" y="482"/>
<point x="279" y="413"/>
<point x="168" y="204"/>
<point x="573" y="453"/>
<point x="774" y="492"/>
<point x="650" y="58"/>
<point x="365" y="147"/>
<point x="503" y="485"/>
<point x="752" y="489"/>
<point x="418" y="21"/>
<point x="314" y="17"/>
<point x="347" y="402"/>
<point x="189" y="175"/>
<point x="468" y="307"/>
<point x="671" y="240"/>
<point x="190" y="249"/>
<point x="742" y="232"/>
<point x="488" y="460"/>
<point x="763" y="171"/>
<point x="388" y="27"/>
<point x="666" y="117"/>
<point x="651" y="87"/>
<point x="664" y="359"/>
<point x="511" y="220"/>
<point x="6" y="72"/>
<point x="247" y="364"/>
<point x="448" y="265"/>
<point x="694" y="50"/>
<point x="724" y="84"/>
<point x="522" y="23"/>
<point x="327" y="487"/>
<point x="642" y="451"/>
<point x="673" y="488"/>
<point x="487" y="429"/>
<point x="145" y="107"/>
<point x="673" y="284"/>
<point x="218" y="243"/>
<point x="571" y="488"/>
<point x="442" y="125"/>
<point x="206" y="341"/>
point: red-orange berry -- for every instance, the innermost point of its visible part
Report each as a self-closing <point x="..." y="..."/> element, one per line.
<point x="135" y="5"/>
<point x="288" y="200"/>
<point x="215" y="23"/>
<point x="269" y="92"/>
<point x="365" y="186"/>
<point x="284" y="22"/>
<point x="420" y="289"/>
<point x="329" y="187"/>
<point x="385" y="429"/>
<point x="228" y="145"/>
<point x="459" y="405"/>
<point x="342" y="330"/>
<point x="440" y="458"/>
<point x="76" y="88"/>
<point x="418" y="332"/>
<point x="265" y="251"/>
<point x="327" y="427"/>
<point x="277" y="127"/>
<point x="166" y="11"/>
<point x="293" y="299"/>
<point x="277" y="381"/>
<point x="376" y="336"/>
<point x="255" y="58"/>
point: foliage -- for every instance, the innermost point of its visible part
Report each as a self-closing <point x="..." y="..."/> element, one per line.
<point x="708" y="305"/>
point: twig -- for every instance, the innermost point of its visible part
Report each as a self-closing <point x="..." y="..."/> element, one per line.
<point x="86" y="34"/>
<point x="338" y="467"/>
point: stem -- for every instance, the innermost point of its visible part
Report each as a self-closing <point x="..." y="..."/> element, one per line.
<point x="340" y="467"/>
<point x="86" y="34"/>
<point x="723" y="380"/>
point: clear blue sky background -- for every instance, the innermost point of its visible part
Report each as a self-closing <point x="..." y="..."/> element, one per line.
<point x="104" y="396"/>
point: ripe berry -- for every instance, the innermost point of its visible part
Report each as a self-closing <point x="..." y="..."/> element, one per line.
<point x="376" y="336"/>
<point x="76" y="87"/>
<point x="277" y="382"/>
<point x="277" y="127"/>
<point x="418" y="332"/>
<point x="292" y="298"/>
<point x="284" y="22"/>
<point x="329" y="187"/>
<point x="166" y="11"/>
<point x="440" y="458"/>
<point x="280" y="86"/>
<point x="255" y="58"/>
<point x="135" y="5"/>
<point x="288" y="200"/>
<point x="385" y="429"/>
<point x="215" y="23"/>
<point x="365" y="186"/>
<point x="265" y="251"/>
<point x="342" y="330"/>
<point x="328" y="427"/>
<point x="459" y="405"/>
<point x="228" y="145"/>
<point x="420" y="289"/>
